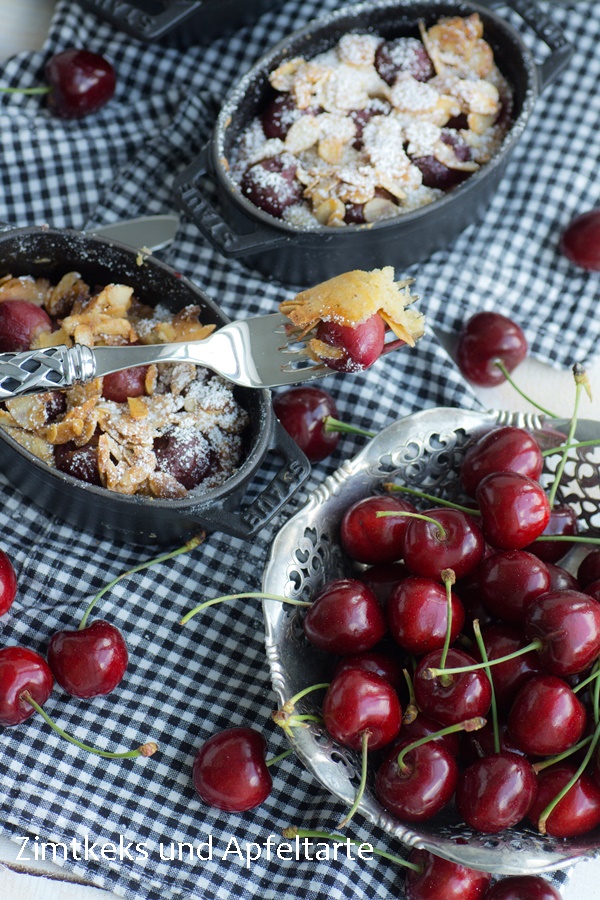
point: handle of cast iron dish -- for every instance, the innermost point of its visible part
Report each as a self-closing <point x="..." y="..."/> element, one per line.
<point x="144" y="24"/>
<point x="210" y="221"/>
<point x="248" y="520"/>
<point x="550" y="33"/>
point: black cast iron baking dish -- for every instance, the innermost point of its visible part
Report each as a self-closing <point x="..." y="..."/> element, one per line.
<point x="179" y="22"/>
<point x="45" y="252"/>
<point x="238" y="229"/>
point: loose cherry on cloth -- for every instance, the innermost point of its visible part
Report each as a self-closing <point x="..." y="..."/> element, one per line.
<point x="80" y="83"/>
<point x="580" y="241"/>
<point x="230" y="771"/>
<point x="487" y="338"/>
<point x="302" y="412"/>
<point x="8" y="583"/>
<point x="88" y="662"/>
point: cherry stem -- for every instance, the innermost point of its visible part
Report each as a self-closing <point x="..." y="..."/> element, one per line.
<point x="547" y="812"/>
<point x="389" y="512"/>
<point x="294" y="832"/>
<point x="33" y="90"/>
<point x="573" y="425"/>
<point x="330" y="424"/>
<point x="286" y="718"/>
<point x="506" y="373"/>
<point x="468" y="725"/>
<point x="411" y="712"/>
<point x="545" y="763"/>
<point x="552" y="450"/>
<point x="588" y="680"/>
<point x="275" y="759"/>
<point x="253" y="595"/>
<point x="449" y="578"/>
<point x="400" y="488"/>
<point x="493" y="706"/>
<point x="190" y="545"/>
<point x="364" y="742"/>
<point x="147" y="749"/>
<point x="431" y="673"/>
<point x="581" y="538"/>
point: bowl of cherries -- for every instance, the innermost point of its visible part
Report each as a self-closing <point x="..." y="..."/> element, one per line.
<point x="442" y="677"/>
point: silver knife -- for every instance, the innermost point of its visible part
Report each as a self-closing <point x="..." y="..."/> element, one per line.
<point x="151" y="232"/>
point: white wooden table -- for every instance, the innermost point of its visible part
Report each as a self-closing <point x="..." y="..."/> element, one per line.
<point x="24" y="25"/>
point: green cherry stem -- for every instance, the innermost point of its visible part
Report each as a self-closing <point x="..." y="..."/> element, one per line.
<point x="276" y="759"/>
<point x="251" y="595"/>
<point x="588" y="680"/>
<point x="401" y="488"/>
<point x="431" y="673"/>
<point x="388" y="512"/>
<point x="147" y="749"/>
<point x="545" y="763"/>
<point x="573" y="446"/>
<point x="507" y="375"/>
<point x="580" y="382"/>
<point x="32" y="90"/>
<point x="488" y="672"/>
<point x="468" y="725"/>
<point x="411" y="712"/>
<point x="547" y="812"/>
<point x="286" y="717"/>
<point x="448" y="578"/>
<point x="187" y="547"/>
<point x="364" y="745"/>
<point x="330" y="424"/>
<point x="302" y="833"/>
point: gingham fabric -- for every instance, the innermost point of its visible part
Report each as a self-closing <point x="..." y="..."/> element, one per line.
<point x="184" y="684"/>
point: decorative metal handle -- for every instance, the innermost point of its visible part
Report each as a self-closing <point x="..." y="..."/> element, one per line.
<point x="38" y="371"/>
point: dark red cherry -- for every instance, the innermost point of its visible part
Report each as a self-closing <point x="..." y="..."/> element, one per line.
<point x="89" y="662"/>
<point x="427" y="553"/>
<point x="593" y="590"/>
<point x="423" y="726"/>
<point x="514" y="510"/>
<point x="22" y="670"/>
<point x="580" y="241"/>
<point x="546" y="717"/>
<point x="79" y="462"/>
<point x="589" y="569"/>
<point x="579" y="810"/>
<point x="301" y="411"/>
<point x="360" y="117"/>
<point x="506" y="449"/>
<point x="405" y="54"/>
<point x="279" y="115"/>
<point x="510" y="676"/>
<point x="271" y="185"/>
<point x="185" y="455"/>
<point x="561" y="580"/>
<point x="568" y="625"/>
<point x="440" y="879"/>
<point x="345" y="617"/>
<point x="56" y="405"/>
<point x="424" y="784"/>
<point x="465" y="696"/>
<point x="369" y="538"/>
<point x="357" y="701"/>
<point x="81" y="83"/>
<point x="20" y="323"/>
<point x="509" y="581"/>
<point x="118" y="386"/>
<point x="383" y="578"/>
<point x="383" y="664"/>
<point x="523" y="887"/>
<point x="487" y="337"/>
<point x="435" y="173"/>
<point x="359" y="345"/>
<point x="496" y="792"/>
<point x="417" y="615"/>
<point x="479" y="744"/>
<point x="563" y="522"/>
<point x="230" y="771"/>
<point x="8" y="583"/>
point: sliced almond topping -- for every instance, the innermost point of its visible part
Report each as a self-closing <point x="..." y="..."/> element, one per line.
<point x="379" y="208"/>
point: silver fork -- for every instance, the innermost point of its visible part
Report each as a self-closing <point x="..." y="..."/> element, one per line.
<point x="250" y="352"/>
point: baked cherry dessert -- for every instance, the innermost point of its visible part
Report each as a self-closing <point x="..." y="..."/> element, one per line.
<point x="21" y="322"/>
<point x="302" y="411"/>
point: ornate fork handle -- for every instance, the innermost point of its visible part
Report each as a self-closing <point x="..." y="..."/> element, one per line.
<point x="37" y="371"/>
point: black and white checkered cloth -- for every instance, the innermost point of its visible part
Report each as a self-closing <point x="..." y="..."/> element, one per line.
<point x="184" y="684"/>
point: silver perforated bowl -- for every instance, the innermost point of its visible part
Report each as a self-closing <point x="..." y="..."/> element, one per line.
<point x="423" y="450"/>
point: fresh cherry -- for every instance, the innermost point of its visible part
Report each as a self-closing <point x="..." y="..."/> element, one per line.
<point x="486" y="338"/>
<point x="523" y="887"/>
<point x="369" y="538"/>
<point x="563" y="522"/>
<point x="561" y="579"/>
<point x="546" y="717"/>
<point x="383" y="578"/>
<point x="21" y="322"/>
<point x="481" y="743"/>
<point x="510" y="676"/>
<point x="427" y="551"/>
<point x="514" y="510"/>
<point x="383" y="664"/>
<point x="506" y="449"/>
<point x="589" y="569"/>
<point x="345" y="617"/>
<point x="423" y="726"/>
<point x="88" y="662"/>
<point x="359" y="345"/>
<point x="440" y="879"/>
<point x="301" y="411"/>
<point x="422" y="786"/>
<point x="80" y="83"/>
<point x="496" y="792"/>
<point x="22" y="670"/>
<point x="230" y="771"/>
<point x="8" y="583"/>
<point x="593" y="590"/>
<point x="358" y="702"/>
<point x="509" y="581"/>
<point x="417" y="615"/>
<point x="453" y="698"/>
<point x="579" y="810"/>
<point x="118" y="386"/>
<point x="580" y="241"/>
<point x="568" y="625"/>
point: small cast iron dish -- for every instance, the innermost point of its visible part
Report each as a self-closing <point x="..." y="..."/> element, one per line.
<point x="50" y="253"/>
<point x="237" y="228"/>
<point x="424" y="450"/>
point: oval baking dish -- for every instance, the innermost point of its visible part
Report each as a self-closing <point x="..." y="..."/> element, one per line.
<point x="279" y="250"/>
<point x="49" y="253"/>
